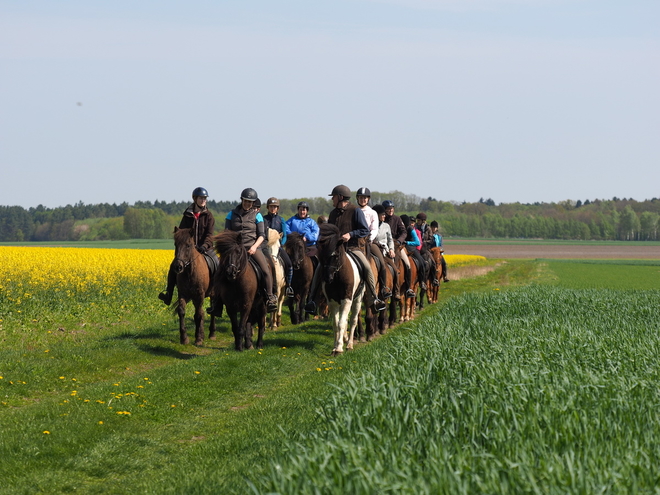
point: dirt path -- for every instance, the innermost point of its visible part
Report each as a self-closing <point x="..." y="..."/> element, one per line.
<point x="554" y="251"/>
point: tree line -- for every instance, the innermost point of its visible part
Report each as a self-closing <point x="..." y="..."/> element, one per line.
<point x="613" y="219"/>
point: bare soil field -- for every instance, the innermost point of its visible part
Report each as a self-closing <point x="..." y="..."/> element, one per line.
<point x="496" y="251"/>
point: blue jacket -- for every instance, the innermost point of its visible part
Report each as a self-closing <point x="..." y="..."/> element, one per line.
<point x="304" y="226"/>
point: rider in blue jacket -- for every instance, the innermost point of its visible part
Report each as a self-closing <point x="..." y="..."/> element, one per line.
<point x="304" y="225"/>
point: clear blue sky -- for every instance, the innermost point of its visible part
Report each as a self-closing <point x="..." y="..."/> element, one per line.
<point x="514" y="100"/>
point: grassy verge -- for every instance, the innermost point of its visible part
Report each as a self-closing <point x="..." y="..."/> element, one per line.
<point x="106" y="400"/>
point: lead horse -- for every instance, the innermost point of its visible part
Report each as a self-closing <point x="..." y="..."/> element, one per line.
<point x="341" y="285"/>
<point x="193" y="281"/>
<point x="238" y="287"/>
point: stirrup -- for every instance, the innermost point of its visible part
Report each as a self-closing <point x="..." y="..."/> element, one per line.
<point x="289" y="292"/>
<point x="310" y="308"/>
<point x="410" y="294"/>
<point x="385" y="292"/>
<point x="380" y="305"/>
<point x="436" y="282"/>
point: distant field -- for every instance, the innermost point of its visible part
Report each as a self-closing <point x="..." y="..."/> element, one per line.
<point x="534" y="249"/>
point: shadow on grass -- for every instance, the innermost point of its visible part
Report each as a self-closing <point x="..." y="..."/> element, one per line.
<point x="157" y="350"/>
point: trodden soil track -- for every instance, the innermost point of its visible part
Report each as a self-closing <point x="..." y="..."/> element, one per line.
<point x="554" y="251"/>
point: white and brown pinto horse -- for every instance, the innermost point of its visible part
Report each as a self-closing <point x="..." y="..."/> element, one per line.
<point x="340" y="284"/>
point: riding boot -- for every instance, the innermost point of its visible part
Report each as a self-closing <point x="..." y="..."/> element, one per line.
<point x="166" y="295"/>
<point x="407" y="276"/>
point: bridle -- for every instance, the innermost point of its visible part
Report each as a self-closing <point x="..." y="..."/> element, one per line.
<point x="181" y="264"/>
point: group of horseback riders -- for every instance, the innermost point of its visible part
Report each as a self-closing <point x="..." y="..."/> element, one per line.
<point x="365" y="230"/>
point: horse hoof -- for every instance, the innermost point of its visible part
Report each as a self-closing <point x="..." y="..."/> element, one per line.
<point x="185" y="341"/>
<point x="199" y="342"/>
<point x="337" y="353"/>
<point x="212" y="337"/>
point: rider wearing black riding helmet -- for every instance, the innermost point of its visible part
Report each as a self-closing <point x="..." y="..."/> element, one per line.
<point x="302" y="223"/>
<point x="363" y="195"/>
<point x="399" y="234"/>
<point x="426" y="239"/>
<point x="199" y="218"/>
<point x="353" y="227"/>
<point x="247" y="220"/>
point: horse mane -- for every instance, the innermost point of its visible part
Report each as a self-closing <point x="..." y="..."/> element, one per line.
<point x="293" y="237"/>
<point x="273" y="237"/>
<point x="226" y="240"/>
<point x="329" y="238"/>
<point x="181" y="236"/>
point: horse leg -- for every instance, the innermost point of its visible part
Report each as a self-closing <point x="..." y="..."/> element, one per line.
<point x="181" y="310"/>
<point x="212" y="328"/>
<point x="249" y="331"/>
<point x="261" y="328"/>
<point x="341" y="324"/>
<point x="355" y="321"/>
<point x="199" y="321"/>
<point x="293" y="310"/>
<point x="339" y="339"/>
<point x="236" y="330"/>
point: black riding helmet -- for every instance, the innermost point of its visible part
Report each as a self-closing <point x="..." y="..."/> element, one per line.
<point x="303" y="204"/>
<point x="249" y="194"/>
<point x="200" y="191"/>
<point x="388" y="204"/>
<point x="380" y="209"/>
<point x="342" y="191"/>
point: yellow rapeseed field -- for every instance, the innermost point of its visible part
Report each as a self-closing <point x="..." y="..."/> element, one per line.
<point x="74" y="271"/>
<point x="89" y="275"/>
<point x="455" y="260"/>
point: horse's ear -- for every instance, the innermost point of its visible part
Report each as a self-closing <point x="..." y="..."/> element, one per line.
<point x="176" y="229"/>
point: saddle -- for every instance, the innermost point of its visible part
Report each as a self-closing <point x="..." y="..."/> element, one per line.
<point x="257" y="270"/>
<point x="212" y="261"/>
<point x="360" y="268"/>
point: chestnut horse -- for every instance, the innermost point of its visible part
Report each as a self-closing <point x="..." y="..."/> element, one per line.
<point x="273" y="248"/>
<point x="340" y="285"/>
<point x="436" y="253"/>
<point x="376" y="321"/>
<point x="193" y="282"/>
<point x="303" y="271"/>
<point x="237" y="285"/>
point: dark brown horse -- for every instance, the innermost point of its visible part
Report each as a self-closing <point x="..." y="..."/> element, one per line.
<point x="236" y="283"/>
<point x="303" y="271"/>
<point x="193" y="282"/>
<point x="341" y="285"/>
<point x="408" y="305"/>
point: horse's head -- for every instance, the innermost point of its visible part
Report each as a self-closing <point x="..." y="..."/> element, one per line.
<point x="331" y="251"/>
<point x="184" y="248"/>
<point x="233" y="256"/>
<point x="273" y="241"/>
<point x="295" y="248"/>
